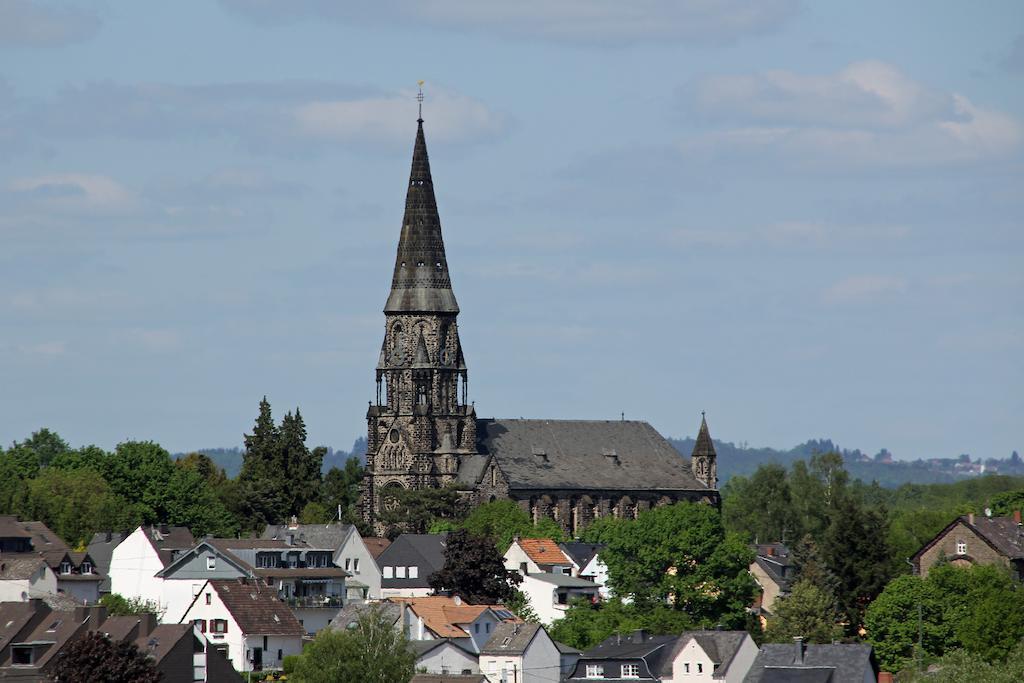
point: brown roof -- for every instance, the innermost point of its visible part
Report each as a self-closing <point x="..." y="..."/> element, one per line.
<point x="162" y="639"/>
<point x="1002" y="533"/>
<point x="256" y="608"/>
<point x="175" y="538"/>
<point x="543" y="551"/>
<point x="442" y="614"/>
<point x="10" y="527"/>
<point x="376" y="545"/>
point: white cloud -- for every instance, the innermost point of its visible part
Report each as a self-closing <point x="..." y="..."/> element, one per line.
<point x="869" y="113"/>
<point x="864" y="289"/>
<point x="578" y="21"/>
<point x="74" y="192"/>
<point x="44" y="24"/>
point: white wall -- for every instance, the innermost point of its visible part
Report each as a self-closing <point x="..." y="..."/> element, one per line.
<point x="133" y="564"/>
<point x="315" y="618"/>
<point x="515" y="555"/>
<point x="175" y="597"/>
<point x="502" y="668"/>
<point x="216" y="610"/>
<point x="44" y="581"/>
<point x="694" y="655"/>
<point x="406" y="592"/>
<point x="368" y="572"/>
<point x="448" y="659"/>
<point x="81" y="591"/>
<point x="541" y="662"/>
<point x="597" y="571"/>
<point x="288" y="645"/>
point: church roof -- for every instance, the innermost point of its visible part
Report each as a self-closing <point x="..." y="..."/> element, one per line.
<point x="704" y="445"/>
<point x="585" y="455"/>
<point x="421" y="283"/>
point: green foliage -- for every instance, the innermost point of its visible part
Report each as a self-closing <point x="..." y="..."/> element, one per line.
<point x="520" y="606"/>
<point x="74" y="504"/>
<point x="1004" y="504"/>
<point x="414" y="511"/>
<point x="809" y="611"/>
<point x="288" y="664"/>
<point x="503" y="520"/>
<point x="191" y="502"/>
<point x="474" y="570"/>
<point x="961" y="665"/>
<point x="681" y="556"/>
<point x="43" y="446"/>
<point x="139" y="472"/>
<point x="315" y="513"/>
<point x="585" y="625"/>
<point x="371" y="651"/>
<point x="854" y="550"/>
<point x="980" y="609"/>
<point x="94" y="657"/>
<point x="117" y="605"/>
<point x="760" y="507"/>
<point x="340" y="488"/>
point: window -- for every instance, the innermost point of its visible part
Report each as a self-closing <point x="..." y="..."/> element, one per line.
<point x="21" y="654"/>
<point x="348" y="563"/>
<point x="387" y="572"/>
<point x="280" y="654"/>
<point x="87" y="567"/>
<point x="200" y="624"/>
<point x="293" y="561"/>
<point x="399" y="572"/>
<point x="961" y="547"/>
<point x="487" y="627"/>
<point x="631" y="671"/>
<point x="219" y="625"/>
<point x="65" y="567"/>
<point x="355" y="565"/>
<point x="686" y="667"/>
<point x="209" y="599"/>
<point x="595" y="671"/>
<point x="211" y="563"/>
<point x="700" y="668"/>
<point x="264" y="642"/>
<point x="563" y="598"/>
<point x="476" y="628"/>
<point x="414" y="572"/>
<point x="266" y="561"/>
<point x="522" y="569"/>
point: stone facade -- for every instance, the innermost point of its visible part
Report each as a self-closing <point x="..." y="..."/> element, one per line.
<point x="962" y="544"/>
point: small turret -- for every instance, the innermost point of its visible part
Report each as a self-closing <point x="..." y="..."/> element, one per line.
<point x="703" y="459"/>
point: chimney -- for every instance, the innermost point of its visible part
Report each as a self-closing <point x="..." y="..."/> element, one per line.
<point x="147" y="622"/>
<point x="164" y="528"/>
<point x="639" y="635"/>
<point x="1016" y="517"/>
<point x="295" y="522"/>
<point x="799" y="654"/>
<point x="109" y="536"/>
<point x="970" y="518"/>
<point x="884" y="677"/>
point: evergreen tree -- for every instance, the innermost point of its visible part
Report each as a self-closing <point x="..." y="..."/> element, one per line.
<point x="809" y="611"/>
<point x="262" y="495"/>
<point x="855" y="550"/>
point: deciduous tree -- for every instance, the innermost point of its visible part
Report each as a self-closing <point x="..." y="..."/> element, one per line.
<point x="474" y="570"/>
<point x="94" y="657"/>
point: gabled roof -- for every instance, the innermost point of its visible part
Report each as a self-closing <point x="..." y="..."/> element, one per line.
<point x="652" y="650"/>
<point x="448" y="678"/>
<point x="776" y="561"/>
<point x="563" y="454"/>
<point x="846" y="663"/>
<point x="352" y="611"/>
<point x="1003" y="534"/>
<point x="101" y="550"/>
<point x="563" y="580"/>
<point x="422" y="647"/>
<point x="20" y="566"/>
<point x="166" y="540"/>
<point x="256" y="608"/>
<point x="720" y="646"/>
<point x="443" y="615"/>
<point x="162" y="639"/>
<point x="511" y="639"/>
<point x="425" y="551"/>
<point x="543" y="551"/>
<point x="581" y="553"/>
<point x="10" y="527"/>
<point x="311" y="535"/>
<point x="375" y="545"/>
<point x="213" y="544"/>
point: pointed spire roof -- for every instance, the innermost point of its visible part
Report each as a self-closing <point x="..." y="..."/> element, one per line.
<point x="422" y="358"/>
<point x="421" y="283"/>
<point x="704" y="444"/>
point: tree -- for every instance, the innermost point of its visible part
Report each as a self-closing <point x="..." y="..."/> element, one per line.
<point x="315" y="513"/>
<point x="760" y="507"/>
<point x="474" y="571"/>
<point x="519" y="605"/>
<point x="585" y="624"/>
<point x="809" y="611"/>
<point x="960" y="665"/>
<point x="191" y="502"/>
<point x="262" y="497"/>
<point x="117" y="605"/>
<point x="415" y="510"/>
<point x="75" y="504"/>
<point x="810" y="566"/>
<point x="680" y="555"/>
<point x="1004" y="504"/>
<point x="370" y="651"/>
<point x="139" y="472"/>
<point x="94" y="658"/>
<point x="44" y="444"/>
<point x="340" y="488"/>
<point x="503" y="520"/>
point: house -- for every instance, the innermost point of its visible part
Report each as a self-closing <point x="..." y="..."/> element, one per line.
<point x="376" y="545"/>
<point x="548" y="583"/>
<point x="100" y="549"/>
<point x="305" y="578"/>
<point x="838" y="663"/>
<point x="246" y="621"/>
<point x="774" y="571"/>
<point x="567" y="658"/>
<point x="349" y="614"/>
<point x="135" y="561"/>
<point x="520" y="653"/>
<point x="24" y="576"/>
<point x="444" y="656"/>
<point x="974" y="539"/>
<point x="441" y="616"/>
<point x="587" y="564"/>
<point x="75" y="573"/>
<point x="638" y="656"/>
<point x="33" y="636"/>
<point x="700" y="656"/>
<point x="406" y="565"/>
<point x="351" y="553"/>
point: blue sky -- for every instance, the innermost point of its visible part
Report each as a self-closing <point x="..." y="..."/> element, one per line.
<point x="803" y="218"/>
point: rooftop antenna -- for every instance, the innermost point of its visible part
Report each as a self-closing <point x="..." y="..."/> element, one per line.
<point x="419" y="98"/>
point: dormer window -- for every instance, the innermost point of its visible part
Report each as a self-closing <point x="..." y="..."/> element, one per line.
<point x="65" y="567"/>
<point x="87" y="567"/>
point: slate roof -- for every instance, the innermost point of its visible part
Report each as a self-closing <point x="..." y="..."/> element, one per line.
<point x="311" y="535"/>
<point x="351" y="612"/>
<point x="10" y="527"/>
<point x="425" y="551"/>
<point x="585" y="455"/>
<point x="777" y="562"/>
<point x="422" y="647"/>
<point x="510" y="639"/>
<point x="20" y="566"/>
<point x="846" y="663"/>
<point x="720" y="646"/>
<point x="101" y="550"/>
<point x="639" y="645"/>
<point x="421" y="282"/>
<point x="162" y="639"/>
<point x="703" y="444"/>
<point x="543" y="551"/>
<point x="14" y="616"/>
<point x="376" y="545"/>
<point x="563" y="580"/>
<point x="1002" y="533"/>
<point x="581" y="553"/>
<point x="256" y="608"/>
<point x="176" y="538"/>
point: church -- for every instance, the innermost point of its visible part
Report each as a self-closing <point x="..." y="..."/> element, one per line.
<point x="422" y="432"/>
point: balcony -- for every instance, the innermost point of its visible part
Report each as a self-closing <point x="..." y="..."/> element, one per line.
<point x="334" y="601"/>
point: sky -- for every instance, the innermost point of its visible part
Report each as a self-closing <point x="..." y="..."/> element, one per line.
<point x="806" y="219"/>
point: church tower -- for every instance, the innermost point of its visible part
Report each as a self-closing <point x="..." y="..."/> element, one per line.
<point x="421" y="424"/>
<point x="703" y="460"/>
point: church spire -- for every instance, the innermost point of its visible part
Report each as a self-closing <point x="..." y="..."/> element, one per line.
<point x="703" y="460"/>
<point x="421" y="283"/>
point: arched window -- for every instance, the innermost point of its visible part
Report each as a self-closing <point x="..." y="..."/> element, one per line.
<point x="397" y="343"/>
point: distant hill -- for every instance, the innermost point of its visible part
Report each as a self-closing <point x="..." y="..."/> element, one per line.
<point x="231" y="458"/>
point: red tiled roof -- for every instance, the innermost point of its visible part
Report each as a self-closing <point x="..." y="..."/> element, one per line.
<point x="543" y="551"/>
<point x="442" y="614"/>
<point x="376" y="545"/>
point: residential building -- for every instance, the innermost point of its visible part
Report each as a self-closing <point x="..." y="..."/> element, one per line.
<point x="75" y="573"/>
<point x="33" y="635"/>
<point x="24" y="576"/>
<point x="567" y="658"/>
<point x="774" y="571"/>
<point x="838" y="663"/>
<point x="637" y="656"/>
<point x="548" y="583"/>
<point x="101" y="549"/>
<point x="976" y="539"/>
<point x="441" y="616"/>
<point x="587" y="564"/>
<point x="350" y="613"/>
<point x="351" y="553"/>
<point x="520" y="653"/>
<point x="305" y="578"/>
<point x="376" y="545"/>
<point x="707" y="656"/>
<point x="423" y="432"/>
<point x="247" y="622"/>
<point x="135" y="561"/>
<point x="445" y="656"/>
<point x="407" y="563"/>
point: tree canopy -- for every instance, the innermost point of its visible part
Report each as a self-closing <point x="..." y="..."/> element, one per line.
<point x="95" y="657"/>
<point x="474" y="570"/>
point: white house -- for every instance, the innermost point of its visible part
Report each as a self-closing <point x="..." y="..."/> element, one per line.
<point x="25" y="576"/>
<point x="708" y="656"/>
<point x="136" y="560"/>
<point x="520" y="653"/>
<point x="444" y="656"/>
<point x="246" y="621"/>
<point x="548" y="583"/>
<point x="587" y="564"/>
<point x="440" y="616"/>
